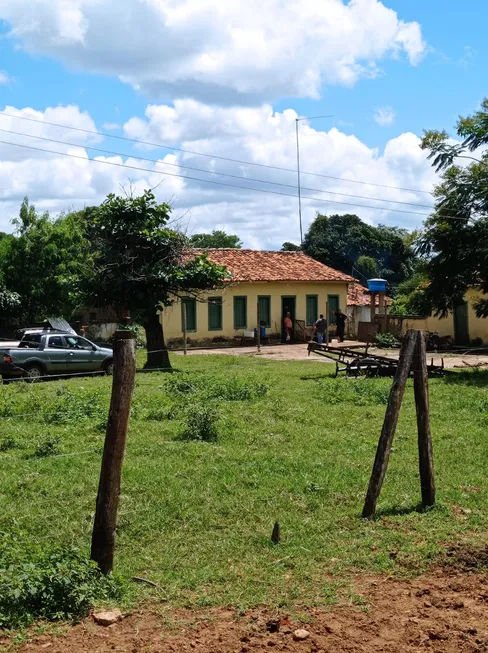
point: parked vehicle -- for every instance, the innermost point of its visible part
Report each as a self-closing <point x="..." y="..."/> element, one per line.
<point x="44" y="352"/>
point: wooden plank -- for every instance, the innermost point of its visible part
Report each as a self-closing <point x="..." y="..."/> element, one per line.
<point x="258" y="330"/>
<point x="103" y="536"/>
<point x="421" y="389"/>
<point x="389" y="425"/>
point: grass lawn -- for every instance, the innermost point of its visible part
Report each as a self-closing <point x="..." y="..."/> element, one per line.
<point x="196" y="517"/>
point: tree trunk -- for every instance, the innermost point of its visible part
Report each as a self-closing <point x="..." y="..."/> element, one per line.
<point x="157" y="354"/>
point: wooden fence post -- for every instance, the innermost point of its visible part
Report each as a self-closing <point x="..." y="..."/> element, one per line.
<point x="258" y="331"/>
<point x="328" y="323"/>
<point x="183" y="307"/>
<point x="103" y="536"/>
<point x="389" y="425"/>
<point x="421" y="389"/>
<point x="372" y="306"/>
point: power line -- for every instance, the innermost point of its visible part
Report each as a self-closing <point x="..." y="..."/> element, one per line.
<point x="220" y="183"/>
<point x="212" y="172"/>
<point x="210" y="156"/>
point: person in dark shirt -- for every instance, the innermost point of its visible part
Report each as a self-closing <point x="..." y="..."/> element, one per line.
<point x="341" y="324"/>
<point x="320" y="329"/>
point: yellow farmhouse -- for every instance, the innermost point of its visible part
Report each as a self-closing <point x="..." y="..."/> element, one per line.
<point x="462" y="323"/>
<point x="280" y="282"/>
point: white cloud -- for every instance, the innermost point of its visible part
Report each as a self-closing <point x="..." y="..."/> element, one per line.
<point x="385" y="116"/>
<point x="21" y="126"/>
<point x="219" y="52"/>
<point x="4" y="78"/>
<point x="468" y="57"/>
<point x="111" y="126"/>
<point x="259" y="135"/>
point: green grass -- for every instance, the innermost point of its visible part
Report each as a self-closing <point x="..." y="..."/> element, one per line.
<point x="294" y="445"/>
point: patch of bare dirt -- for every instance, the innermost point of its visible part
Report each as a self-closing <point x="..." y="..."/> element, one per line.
<point x="446" y="610"/>
<point x="299" y="352"/>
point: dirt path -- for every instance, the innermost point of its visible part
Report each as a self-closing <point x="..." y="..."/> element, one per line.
<point x="444" y="611"/>
<point x="298" y="352"/>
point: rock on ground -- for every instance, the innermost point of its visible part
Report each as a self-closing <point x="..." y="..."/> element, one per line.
<point x="107" y="617"/>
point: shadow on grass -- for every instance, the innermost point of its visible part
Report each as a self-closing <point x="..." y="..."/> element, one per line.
<point x="317" y="377"/>
<point x="474" y="377"/>
<point x="398" y="511"/>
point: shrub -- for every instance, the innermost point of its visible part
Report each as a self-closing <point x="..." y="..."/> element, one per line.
<point x="201" y="423"/>
<point x="150" y="407"/>
<point x="7" y="406"/>
<point x="358" y="392"/>
<point x="235" y="389"/>
<point x="181" y="385"/>
<point x="386" y="341"/>
<point x="8" y="442"/>
<point x="75" y="406"/>
<point x="47" y="446"/>
<point x="367" y="393"/>
<point x="217" y="387"/>
<point x="57" y="584"/>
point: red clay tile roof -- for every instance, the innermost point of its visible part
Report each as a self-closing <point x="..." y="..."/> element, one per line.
<point x="358" y="295"/>
<point x="254" y="265"/>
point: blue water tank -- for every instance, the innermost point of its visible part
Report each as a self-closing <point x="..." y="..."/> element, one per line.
<point x="377" y="285"/>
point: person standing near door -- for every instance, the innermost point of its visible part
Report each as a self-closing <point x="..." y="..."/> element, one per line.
<point x="320" y="329"/>
<point x="288" y="324"/>
<point x="341" y="324"/>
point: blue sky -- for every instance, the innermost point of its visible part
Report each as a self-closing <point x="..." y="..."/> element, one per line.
<point x="216" y="93"/>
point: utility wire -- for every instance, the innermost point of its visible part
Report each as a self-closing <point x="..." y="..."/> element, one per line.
<point x="210" y="156"/>
<point x="221" y="183"/>
<point x="212" y="172"/>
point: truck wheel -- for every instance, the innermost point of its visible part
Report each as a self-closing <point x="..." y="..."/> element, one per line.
<point x="34" y="373"/>
<point x="109" y="368"/>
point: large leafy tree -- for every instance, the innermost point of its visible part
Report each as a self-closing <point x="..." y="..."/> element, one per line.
<point x="41" y="264"/>
<point x="217" y="239"/>
<point x="368" y="267"/>
<point x="141" y="265"/>
<point x="411" y="296"/>
<point x="9" y="304"/>
<point x="345" y="241"/>
<point x="455" y="238"/>
<point x="290" y="247"/>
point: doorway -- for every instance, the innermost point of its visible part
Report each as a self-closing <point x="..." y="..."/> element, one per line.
<point x="288" y="305"/>
<point x="461" y="329"/>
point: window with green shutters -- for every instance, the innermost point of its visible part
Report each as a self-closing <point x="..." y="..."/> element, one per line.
<point x="191" y="314"/>
<point x="265" y="309"/>
<point x="312" y="309"/>
<point x="215" y="313"/>
<point x="333" y="308"/>
<point x="240" y="312"/>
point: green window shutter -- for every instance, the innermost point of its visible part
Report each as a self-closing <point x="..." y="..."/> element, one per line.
<point x="312" y="309"/>
<point x="240" y="312"/>
<point x="215" y="314"/>
<point x="333" y="308"/>
<point x="265" y="310"/>
<point x="191" y="314"/>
